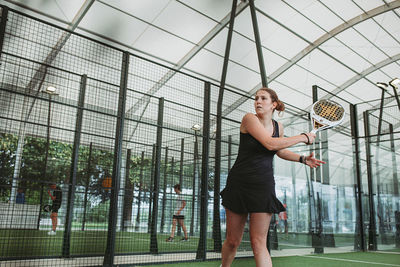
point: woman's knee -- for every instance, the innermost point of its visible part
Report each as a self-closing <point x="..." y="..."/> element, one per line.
<point x="258" y="242"/>
<point x="233" y="243"/>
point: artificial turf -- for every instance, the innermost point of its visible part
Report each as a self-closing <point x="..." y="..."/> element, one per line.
<point x="353" y="259"/>
<point x="34" y="243"/>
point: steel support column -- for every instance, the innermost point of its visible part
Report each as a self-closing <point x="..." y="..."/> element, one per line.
<point x="151" y="189"/>
<point x="218" y="137"/>
<point x="128" y="194"/>
<point x="156" y="186"/>
<point x="140" y="187"/>
<point x="394" y="162"/>
<point x="164" y="196"/>
<point x="117" y="164"/>
<point x="258" y="44"/>
<point x="3" y="23"/>
<point x="74" y="168"/>
<point x="359" y="241"/>
<point x="202" y="247"/>
<point x="372" y="224"/>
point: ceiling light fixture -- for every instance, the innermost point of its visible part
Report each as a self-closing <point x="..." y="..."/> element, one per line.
<point x="395" y="82"/>
<point x="382" y="85"/>
<point x="51" y="90"/>
<point x="196" y="127"/>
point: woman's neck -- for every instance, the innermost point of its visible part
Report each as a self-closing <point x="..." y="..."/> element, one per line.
<point x="265" y="119"/>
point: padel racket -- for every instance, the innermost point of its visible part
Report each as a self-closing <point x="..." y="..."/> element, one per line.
<point x="46" y="208"/>
<point x="326" y="114"/>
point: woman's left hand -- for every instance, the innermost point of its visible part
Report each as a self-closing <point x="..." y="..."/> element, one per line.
<point x="313" y="162"/>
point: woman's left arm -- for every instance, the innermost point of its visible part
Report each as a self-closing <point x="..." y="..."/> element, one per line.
<point x="307" y="160"/>
<point x="291" y="156"/>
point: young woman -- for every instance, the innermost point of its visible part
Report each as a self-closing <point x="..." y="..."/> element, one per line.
<point x="250" y="187"/>
<point x="179" y="215"/>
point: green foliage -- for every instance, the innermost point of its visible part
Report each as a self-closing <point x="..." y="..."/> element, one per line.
<point x="8" y="146"/>
<point x="99" y="213"/>
<point x="94" y="164"/>
<point x="34" y="165"/>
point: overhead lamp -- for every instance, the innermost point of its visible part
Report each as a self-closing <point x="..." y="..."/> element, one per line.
<point x="382" y="85"/>
<point x="196" y="127"/>
<point x="395" y="83"/>
<point x="51" y="90"/>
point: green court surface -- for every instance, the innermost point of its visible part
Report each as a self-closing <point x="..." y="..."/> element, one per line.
<point x="35" y="243"/>
<point x="353" y="259"/>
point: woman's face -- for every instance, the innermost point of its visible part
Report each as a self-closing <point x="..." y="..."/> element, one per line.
<point x="263" y="102"/>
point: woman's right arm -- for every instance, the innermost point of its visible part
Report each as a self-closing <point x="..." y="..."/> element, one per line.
<point x="253" y="126"/>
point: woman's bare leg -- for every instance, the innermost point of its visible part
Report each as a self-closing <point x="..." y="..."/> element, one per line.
<point x="53" y="217"/>
<point x="259" y="224"/>
<point x="234" y="231"/>
<point x="182" y="224"/>
<point x="173" y="228"/>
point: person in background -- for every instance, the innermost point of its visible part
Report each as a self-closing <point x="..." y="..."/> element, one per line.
<point x="179" y="215"/>
<point x="283" y="219"/>
<point x="56" y="197"/>
<point x="20" y="199"/>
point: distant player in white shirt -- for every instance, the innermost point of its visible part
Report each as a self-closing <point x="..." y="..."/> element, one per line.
<point x="179" y="214"/>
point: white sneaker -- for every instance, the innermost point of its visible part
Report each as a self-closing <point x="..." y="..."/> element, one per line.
<point x="51" y="232"/>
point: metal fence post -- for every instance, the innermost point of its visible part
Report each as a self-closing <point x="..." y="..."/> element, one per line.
<point x="117" y="164"/>
<point x="394" y="163"/>
<point x="359" y="242"/>
<point x="202" y="247"/>
<point x="372" y="223"/>
<point x="4" y="17"/>
<point x="74" y="168"/>
<point x="156" y="192"/>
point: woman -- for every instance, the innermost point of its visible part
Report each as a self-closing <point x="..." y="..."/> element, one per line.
<point x="250" y="188"/>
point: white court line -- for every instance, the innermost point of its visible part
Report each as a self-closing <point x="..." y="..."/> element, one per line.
<point x="367" y="262"/>
<point x="386" y="252"/>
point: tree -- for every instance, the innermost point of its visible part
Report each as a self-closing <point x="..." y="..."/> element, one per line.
<point x="8" y="147"/>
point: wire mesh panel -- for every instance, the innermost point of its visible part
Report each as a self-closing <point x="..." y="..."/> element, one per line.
<point x="335" y="196"/>
<point x="380" y="120"/>
<point x="36" y="41"/>
<point x="72" y="165"/>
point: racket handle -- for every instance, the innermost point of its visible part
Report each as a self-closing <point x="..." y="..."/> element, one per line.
<point x="314" y="131"/>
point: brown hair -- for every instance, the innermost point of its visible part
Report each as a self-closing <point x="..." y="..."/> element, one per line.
<point x="177" y="186"/>
<point x="274" y="97"/>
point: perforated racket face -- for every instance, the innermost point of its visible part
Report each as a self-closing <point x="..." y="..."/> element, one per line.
<point x="329" y="110"/>
<point x="46" y="208"/>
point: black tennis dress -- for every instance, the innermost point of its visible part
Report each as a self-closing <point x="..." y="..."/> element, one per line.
<point x="250" y="185"/>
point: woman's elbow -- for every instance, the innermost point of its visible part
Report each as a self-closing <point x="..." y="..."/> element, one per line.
<point x="272" y="147"/>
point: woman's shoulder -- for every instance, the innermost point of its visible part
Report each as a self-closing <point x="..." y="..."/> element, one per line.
<point x="248" y="118"/>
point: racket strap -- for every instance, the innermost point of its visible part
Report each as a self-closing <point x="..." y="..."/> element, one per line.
<point x="308" y="139"/>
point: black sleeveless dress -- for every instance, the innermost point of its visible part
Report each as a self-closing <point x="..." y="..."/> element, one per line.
<point x="250" y="186"/>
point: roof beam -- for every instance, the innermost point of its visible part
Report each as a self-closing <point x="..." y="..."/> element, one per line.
<point x="40" y="73"/>
<point x="363" y="74"/>
<point x="358" y="77"/>
<point x="145" y="99"/>
<point x="342" y="27"/>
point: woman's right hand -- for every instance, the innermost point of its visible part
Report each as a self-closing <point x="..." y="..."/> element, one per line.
<point x="311" y="138"/>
